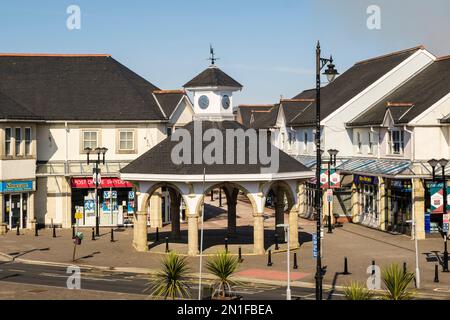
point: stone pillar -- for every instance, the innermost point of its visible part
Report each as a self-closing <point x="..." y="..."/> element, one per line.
<point x="356" y="206"/>
<point x="175" y="202"/>
<point x="418" y="195"/>
<point x="32" y="222"/>
<point x="155" y="204"/>
<point x="193" y="235"/>
<point x="231" y="194"/>
<point x="293" y="228"/>
<point x="140" y="231"/>
<point x="258" y="234"/>
<point x="382" y="208"/>
<point x="279" y="213"/>
<point x="3" y="224"/>
<point x="302" y="199"/>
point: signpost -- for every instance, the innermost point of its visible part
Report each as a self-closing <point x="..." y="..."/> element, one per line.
<point x="329" y="195"/>
<point x="78" y="235"/>
<point x="314" y="239"/>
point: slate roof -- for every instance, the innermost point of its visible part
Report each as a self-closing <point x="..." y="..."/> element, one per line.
<point x="158" y="159"/>
<point x="74" y="87"/>
<point x="212" y="77"/>
<point x="412" y="98"/>
<point x="245" y="113"/>
<point x="266" y="120"/>
<point x="351" y="83"/>
<point x="169" y="100"/>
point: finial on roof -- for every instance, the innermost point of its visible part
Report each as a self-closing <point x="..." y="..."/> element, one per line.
<point x="212" y="55"/>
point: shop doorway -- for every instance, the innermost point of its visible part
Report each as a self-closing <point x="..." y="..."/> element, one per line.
<point x="16" y="210"/>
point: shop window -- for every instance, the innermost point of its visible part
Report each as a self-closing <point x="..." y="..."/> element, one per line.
<point x="28" y="141"/>
<point x="396" y="142"/>
<point x="126" y="140"/>
<point x="8" y="135"/>
<point x="18" y="137"/>
<point x="90" y="139"/>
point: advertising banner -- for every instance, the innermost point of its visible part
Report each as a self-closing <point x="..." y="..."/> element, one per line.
<point x="335" y="179"/>
<point x="437" y="198"/>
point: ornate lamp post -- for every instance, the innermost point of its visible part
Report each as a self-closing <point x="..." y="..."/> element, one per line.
<point x="332" y="162"/>
<point x="331" y="73"/>
<point x="433" y="163"/>
<point x="97" y="180"/>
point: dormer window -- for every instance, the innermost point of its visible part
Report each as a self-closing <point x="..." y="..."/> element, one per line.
<point x="396" y="142"/>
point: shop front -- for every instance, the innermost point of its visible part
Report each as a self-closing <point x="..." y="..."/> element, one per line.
<point x="400" y="205"/>
<point x="16" y="209"/>
<point x="368" y="194"/>
<point x="116" y="202"/>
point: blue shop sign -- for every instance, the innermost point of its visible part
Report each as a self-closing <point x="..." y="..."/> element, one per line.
<point x="365" y="179"/>
<point x="16" y="186"/>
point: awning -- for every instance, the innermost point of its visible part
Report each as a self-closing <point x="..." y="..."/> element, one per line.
<point x="377" y="167"/>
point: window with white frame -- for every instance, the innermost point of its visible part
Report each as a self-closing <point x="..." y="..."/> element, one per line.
<point x="371" y="142"/>
<point x="18" y="139"/>
<point x="8" y="136"/>
<point x="396" y="141"/>
<point x="305" y="141"/>
<point x="28" y="141"/>
<point x="358" y="143"/>
<point x="90" y="139"/>
<point x="126" y="140"/>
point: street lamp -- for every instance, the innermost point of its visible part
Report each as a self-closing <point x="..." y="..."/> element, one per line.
<point x="288" y="288"/>
<point x="332" y="162"/>
<point x="433" y="163"/>
<point x="331" y="73"/>
<point x="96" y="177"/>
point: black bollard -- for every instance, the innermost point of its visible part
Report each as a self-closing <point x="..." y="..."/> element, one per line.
<point x="346" y="266"/>
<point x="36" y="233"/>
<point x="17" y="231"/>
<point x="436" y="273"/>
<point x="226" y="245"/>
<point x="295" y="260"/>
<point x="167" y="244"/>
<point x="240" y="255"/>
<point x="73" y="232"/>
<point x="269" y="259"/>
<point x="93" y="234"/>
<point x="276" y="242"/>
<point x="157" y="235"/>
<point x="54" y="232"/>
<point x="373" y="266"/>
<point x="404" y="268"/>
<point x="112" y="235"/>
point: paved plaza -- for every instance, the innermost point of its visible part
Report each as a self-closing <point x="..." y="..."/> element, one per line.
<point x="359" y="244"/>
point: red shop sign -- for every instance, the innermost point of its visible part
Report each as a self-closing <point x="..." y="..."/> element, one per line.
<point x="83" y="183"/>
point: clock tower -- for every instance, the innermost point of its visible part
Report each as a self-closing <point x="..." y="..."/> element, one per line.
<point x="213" y="93"/>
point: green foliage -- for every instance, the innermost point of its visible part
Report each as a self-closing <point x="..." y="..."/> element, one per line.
<point x="357" y="291"/>
<point x="397" y="282"/>
<point x="223" y="266"/>
<point x="171" y="280"/>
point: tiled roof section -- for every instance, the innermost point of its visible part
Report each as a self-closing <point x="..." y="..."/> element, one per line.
<point x="412" y="98"/>
<point x="77" y="87"/>
<point x="266" y="120"/>
<point x="212" y="77"/>
<point x="293" y="108"/>
<point x="169" y="100"/>
<point x="248" y="113"/>
<point x="351" y="83"/>
<point x="157" y="160"/>
<point x="11" y="110"/>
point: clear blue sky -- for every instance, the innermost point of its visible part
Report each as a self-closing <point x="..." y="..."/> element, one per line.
<point x="268" y="46"/>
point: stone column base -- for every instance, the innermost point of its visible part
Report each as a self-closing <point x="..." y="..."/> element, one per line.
<point x="3" y="229"/>
<point x="32" y="225"/>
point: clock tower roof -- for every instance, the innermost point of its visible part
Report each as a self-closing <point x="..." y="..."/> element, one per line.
<point x="213" y="77"/>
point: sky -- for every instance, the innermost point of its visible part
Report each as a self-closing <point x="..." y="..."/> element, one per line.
<point x="268" y="46"/>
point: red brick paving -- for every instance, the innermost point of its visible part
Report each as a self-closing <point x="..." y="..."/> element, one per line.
<point x="270" y="274"/>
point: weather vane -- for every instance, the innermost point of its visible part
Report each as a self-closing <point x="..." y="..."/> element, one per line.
<point x="212" y="57"/>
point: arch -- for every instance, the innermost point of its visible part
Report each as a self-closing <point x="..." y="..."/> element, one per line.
<point x="153" y="188"/>
<point x="291" y="197"/>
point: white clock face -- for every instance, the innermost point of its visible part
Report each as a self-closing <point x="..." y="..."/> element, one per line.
<point x="226" y="102"/>
<point x="203" y="102"/>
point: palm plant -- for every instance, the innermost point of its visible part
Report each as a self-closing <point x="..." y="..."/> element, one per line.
<point x="171" y="280"/>
<point x="397" y="282"/>
<point x="223" y="266"/>
<point x="357" y="291"/>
